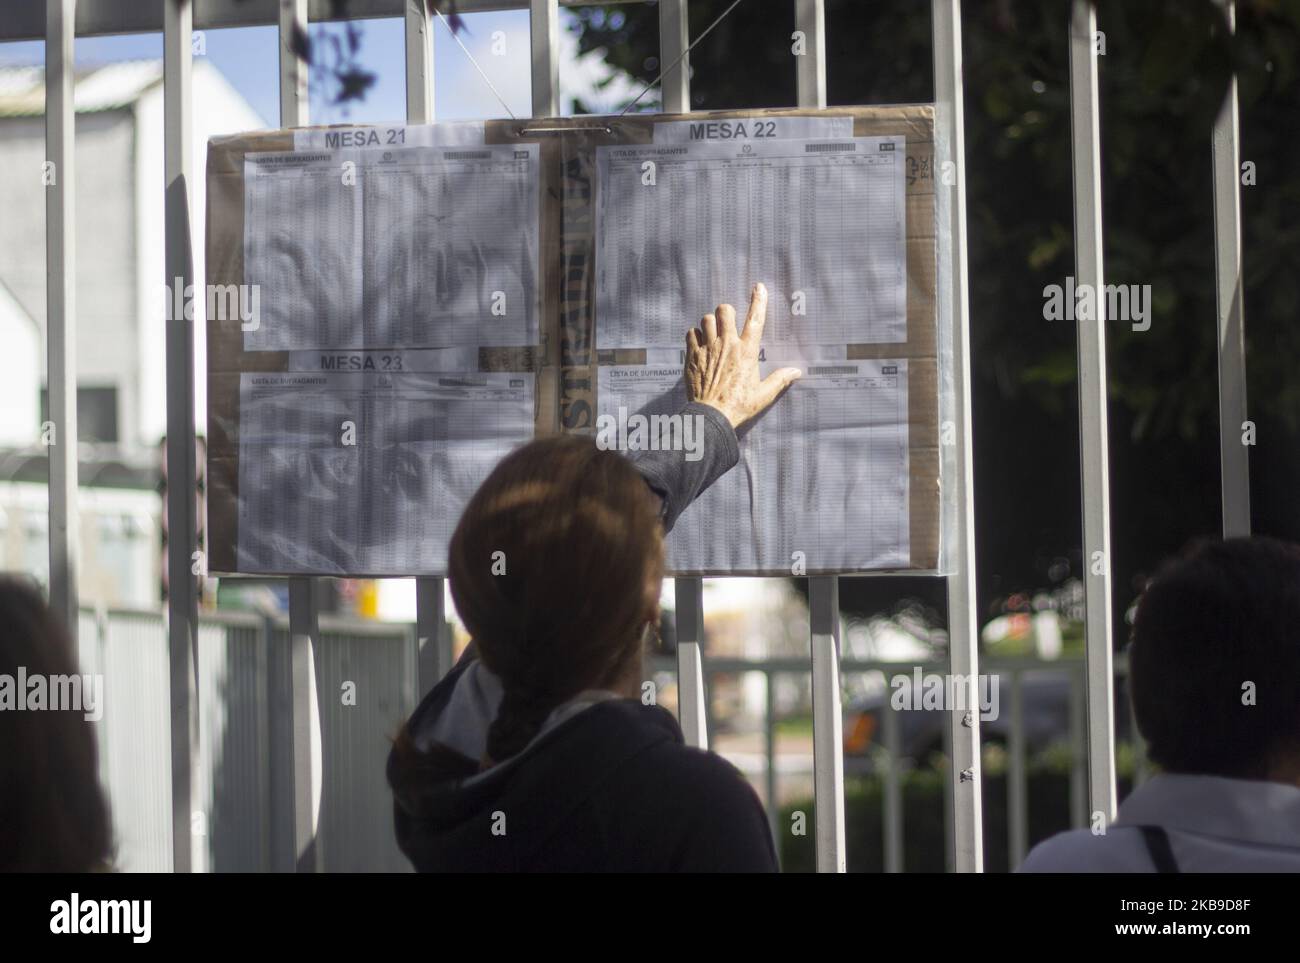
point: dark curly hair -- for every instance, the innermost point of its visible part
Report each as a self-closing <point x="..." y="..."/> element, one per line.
<point x="1215" y="660"/>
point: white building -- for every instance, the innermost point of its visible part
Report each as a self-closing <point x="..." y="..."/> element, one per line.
<point x="120" y="342"/>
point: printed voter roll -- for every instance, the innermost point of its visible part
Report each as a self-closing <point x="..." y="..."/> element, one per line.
<point x="684" y="227"/>
<point x="367" y="473"/>
<point x="822" y="473"/>
<point x="418" y="247"/>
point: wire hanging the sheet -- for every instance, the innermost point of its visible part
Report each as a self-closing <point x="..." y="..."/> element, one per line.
<point x="456" y="38"/>
<point x="680" y="57"/>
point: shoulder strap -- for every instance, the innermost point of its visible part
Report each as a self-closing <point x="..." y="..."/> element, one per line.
<point x="1162" y="854"/>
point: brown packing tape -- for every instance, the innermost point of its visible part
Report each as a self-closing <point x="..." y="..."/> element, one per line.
<point x="923" y="461"/>
<point x="921" y="332"/>
<point x="565" y="360"/>
<point x="548" y="401"/>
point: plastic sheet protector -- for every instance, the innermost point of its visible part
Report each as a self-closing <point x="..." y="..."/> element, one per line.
<point x="417" y="247"/>
<point x="368" y="472"/>
<point x="684" y="227"/>
<point x="822" y="482"/>
<point x="381" y="273"/>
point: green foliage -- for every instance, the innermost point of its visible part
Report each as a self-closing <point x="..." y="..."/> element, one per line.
<point x="1047" y="784"/>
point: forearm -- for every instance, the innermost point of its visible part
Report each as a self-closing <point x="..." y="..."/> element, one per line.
<point x="677" y="480"/>
<point x="722" y="378"/>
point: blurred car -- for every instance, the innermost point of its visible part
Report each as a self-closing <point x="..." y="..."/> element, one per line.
<point x="1045" y="700"/>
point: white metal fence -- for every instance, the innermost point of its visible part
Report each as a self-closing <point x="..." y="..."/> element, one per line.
<point x="242" y="816"/>
<point x="243" y="811"/>
<point x="185" y="657"/>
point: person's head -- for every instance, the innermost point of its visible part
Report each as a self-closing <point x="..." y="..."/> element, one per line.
<point x="1215" y="661"/>
<point x="555" y="570"/>
<point x="53" y="815"/>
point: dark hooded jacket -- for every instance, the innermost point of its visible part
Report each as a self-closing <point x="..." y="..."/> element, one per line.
<point x="608" y="785"/>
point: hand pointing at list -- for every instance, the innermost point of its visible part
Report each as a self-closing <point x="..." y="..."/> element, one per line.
<point x="722" y="363"/>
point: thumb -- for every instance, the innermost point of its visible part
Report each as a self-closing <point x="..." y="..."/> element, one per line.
<point x="772" y="386"/>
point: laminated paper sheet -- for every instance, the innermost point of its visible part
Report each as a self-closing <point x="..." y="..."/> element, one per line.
<point x="481" y="284"/>
<point x="682" y="228"/>
<point x="418" y="247"/>
<point x="823" y="473"/>
<point x="366" y="472"/>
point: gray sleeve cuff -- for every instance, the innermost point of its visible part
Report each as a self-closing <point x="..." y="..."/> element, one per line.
<point x="679" y="477"/>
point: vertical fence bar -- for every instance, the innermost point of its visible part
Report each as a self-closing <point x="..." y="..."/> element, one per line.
<point x="1017" y="789"/>
<point x="949" y="818"/>
<point x="828" y="721"/>
<point x="1234" y="462"/>
<point x="430" y="611"/>
<point x="61" y="308"/>
<point x="893" y="792"/>
<point x="419" y="64"/>
<point x="544" y="29"/>
<point x="810" y="67"/>
<point x="293" y="72"/>
<point x="262" y="672"/>
<point x="304" y="634"/>
<point x="182" y="525"/>
<point x="769" y="748"/>
<point x="674" y="38"/>
<point x="823" y="591"/>
<point x="96" y="664"/>
<point x="280" y="748"/>
<point x="303" y="629"/>
<point x="1078" y="758"/>
<point x="1093" y="448"/>
<point x="710" y="722"/>
<point x="432" y="636"/>
<point x="692" y="711"/>
<point x="963" y="653"/>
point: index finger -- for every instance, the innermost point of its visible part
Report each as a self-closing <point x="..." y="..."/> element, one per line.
<point x="757" y="316"/>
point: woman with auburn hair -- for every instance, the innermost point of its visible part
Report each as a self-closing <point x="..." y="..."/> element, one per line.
<point x="536" y="752"/>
